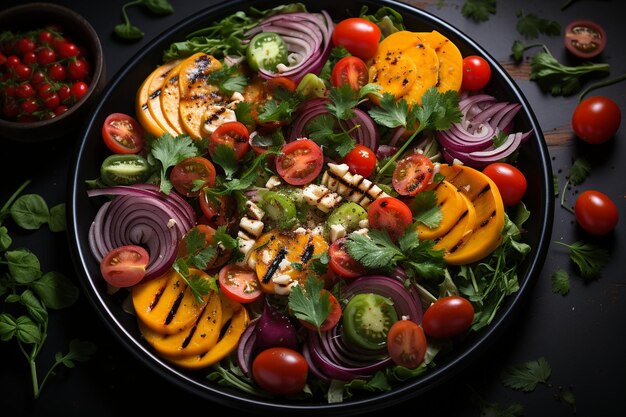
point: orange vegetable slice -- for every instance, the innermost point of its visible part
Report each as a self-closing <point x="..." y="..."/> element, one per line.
<point x="155" y="86"/>
<point x="450" y="60"/>
<point x="170" y="100"/>
<point x="452" y="207"/>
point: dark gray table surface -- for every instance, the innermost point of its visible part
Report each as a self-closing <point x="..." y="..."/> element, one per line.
<point x="581" y="335"/>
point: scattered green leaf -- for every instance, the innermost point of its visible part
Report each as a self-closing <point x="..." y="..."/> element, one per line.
<point x="560" y="282"/>
<point x="528" y="375"/>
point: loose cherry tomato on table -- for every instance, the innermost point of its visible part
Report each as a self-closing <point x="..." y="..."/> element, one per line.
<point x="232" y="134"/>
<point x="412" y="174"/>
<point x="584" y="38"/>
<point x="350" y="70"/>
<point x="390" y="214"/>
<point x="359" y="36"/>
<point x="188" y="173"/>
<point x="595" y="212"/>
<point x="448" y="317"/>
<point x="300" y="162"/>
<point x="280" y="371"/>
<point x="596" y="119"/>
<point x="333" y="317"/>
<point x="406" y="344"/>
<point x="361" y="160"/>
<point x="476" y="73"/>
<point x="239" y="283"/>
<point x="341" y="262"/>
<point x="122" y="134"/>
<point x="510" y="181"/>
<point x="124" y="266"/>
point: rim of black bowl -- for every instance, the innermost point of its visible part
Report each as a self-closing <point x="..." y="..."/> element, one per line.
<point x="97" y="55"/>
<point x="236" y="399"/>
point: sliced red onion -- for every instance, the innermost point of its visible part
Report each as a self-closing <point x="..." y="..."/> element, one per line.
<point x="246" y="347"/>
<point x="385" y="151"/>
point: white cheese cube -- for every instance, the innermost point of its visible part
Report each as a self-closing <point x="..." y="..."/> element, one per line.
<point x="337" y="231"/>
<point x="273" y="182"/>
<point x="339" y="170"/>
<point x="254" y="227"/>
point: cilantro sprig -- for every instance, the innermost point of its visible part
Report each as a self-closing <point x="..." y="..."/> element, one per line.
<point x="438" y="111"/>
<point x="528" y="375"/>
<point x="168" y="151"/>
<point x="478" y="10"/>
<point x="530" y="25"/>
<point x="589" y="258"/>
<point x="311" y="304"/>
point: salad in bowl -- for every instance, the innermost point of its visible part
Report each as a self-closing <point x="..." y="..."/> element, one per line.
<point x="306" y="207"/>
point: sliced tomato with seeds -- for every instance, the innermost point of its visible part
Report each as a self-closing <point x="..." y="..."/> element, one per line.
<point x="218" y="211"/>
<point x="239" y="283"/>
<point x="406" y="344"/>
<point x="125" y="266"/>
<point x="300" y="162"/>
<point x="412" y="174"/>
<point x="390" y="214"/>
<point x="232" y="134"/>
<point x="584" y="38"/>
<point x="342" y="263"/>
<point x="191" y="174"/>
<point x="350" y="70"/>
<point x="122" y="134"/>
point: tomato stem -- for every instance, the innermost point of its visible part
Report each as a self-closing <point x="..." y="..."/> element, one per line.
<point x="600" y="85"/>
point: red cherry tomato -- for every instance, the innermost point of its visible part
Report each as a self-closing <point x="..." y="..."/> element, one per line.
<point x="510" y="181"/>
<point x="406" y="344"/>
<point x="280" y="371"/>
<point x="275" y="84"/>
<point x="448" y="317"/>
<point x="476" y="73"/>
<point x="333" y="317"/>
<point x="67" y="49"/>
<point x="232" y="134"/>
<point x="390" y="214"/>
<point x="79" y="89"/>
<point x="412" y="174"/>
<point x="239" y="283"/>
<point x="596" y="119"/>
<point x="361" y="160"/>
<point x="341" y="262"/>
<point x="300" y="162"/>
<point x="207" y="233"/>
<point x="218" y="212"/>
<point x="122" y="134"/>
<point x="595" y="212"/>
<point x="57" y="72"/>
<point x="350" y="70"/>
<point x="584" y="38"/>
<point x="359" y="36"/>
<point x="124" y="266"/>
<point x="46" y="56"/>
<point x="78" y="69"/>
<point x="188" y="173"/>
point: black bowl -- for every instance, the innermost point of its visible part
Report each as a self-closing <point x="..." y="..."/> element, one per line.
<point x="31" y="16"/>
<point x="533" y="160"/>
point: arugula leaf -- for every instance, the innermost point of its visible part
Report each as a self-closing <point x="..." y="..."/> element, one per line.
<point x="528" y="375"/>
<point x="580" y="170"/>
<point x="478" y="10"/>
<point x="530" y="25"/>
<point x="169" y="151"/>
<point x="224" y="156"/>
<point x="311" y="305"/>
<point x="560" y="282"/>
<point x="425" y="209"/>
<point x="589" y="258"/>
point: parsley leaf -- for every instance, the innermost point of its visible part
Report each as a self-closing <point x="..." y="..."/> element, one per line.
<point x="560" y="282"/>
<point x="530" y="26"/>
<point x="228" y="79"/>
<point x="581" y="168"/>
<point x="425" y="209"/>
<point x="322" y="130"/>
<point x="224" y="156"/>
<point x="222" y="237"/>
<point x="589" y="258"/>
<point x="342" y="102"/>
<point x="528" y="375"/>
<point x="169" y="151"/>
<point x="390" y="113"/>
<point x="243" y="112"/>
<point x="375" y="251"/>
<point x="311" y="305"/>
<point x="478" y="10"/>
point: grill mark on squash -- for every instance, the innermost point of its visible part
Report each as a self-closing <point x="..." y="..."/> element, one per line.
<point x="174" y="309"/>
<point x="271" y="270"/>
<point x="461" y="217"/>
<point x="308" y="251"/>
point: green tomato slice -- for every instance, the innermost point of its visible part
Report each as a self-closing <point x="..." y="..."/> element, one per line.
<point x="266" y="50"/>
<point x="279" y="209"/>
<point x="367" y="319"/>
<point x="348" y="215"/>
<point x="124" y="169"/>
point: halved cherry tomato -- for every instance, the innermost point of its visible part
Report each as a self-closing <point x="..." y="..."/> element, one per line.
<point x="239" y="283"/>
<point x="406" y="343"/>
<point x="448" y="317"/>
<point x="584" y="38"/>
<point x="390" y="214"/>
<point x="124" y="266"/>
<point x="191" y="174"/>
<point x="218" y="212"/>
<point x="359" y="36"/>
<point x="595" y="212"/>
<point x="273" y="85"/>
<point x="122" y="134"/>
<point x="342" y="263"/>
<point x="510" y="181"/>
<point x="232" y="134"/>
<point x="361" y="160"/>
<point x="350" y="70"/>
<point x="333" y="317"/>
<point x="412" y="174"/>
<point x="596" y="119"/>
<point x="280" y="371"/>
<point x="476" y="73"/>
<point x="300" y="162"/>
<point x="207" y="232"/>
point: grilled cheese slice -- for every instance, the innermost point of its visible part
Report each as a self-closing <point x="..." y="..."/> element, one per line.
<point x="353" y="187"/>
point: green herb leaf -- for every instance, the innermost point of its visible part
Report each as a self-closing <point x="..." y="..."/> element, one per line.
<point x="8" y="327"/>
<point x="169" y="151"/>
<point x="581" y="169"/>
<point x="425" y="209"/>
<point x="128" y="32"/>
<point x="160" y="7"/>
<point x="342" y="102"/>
<point x="375" y="251"/>
<point x="30" y="211"/>
<point x="222" y="237"/>
<point x="5" y="239"/>
<point x="478" y="10"/>
<point x="388" y="20"/>
<point x="55" y="290"/>
<point x="311" y="305"/>
<point x="228" y="79"/>
<point x="390" y="113"/>
<point x="517" y="51"/>
<point x="589" y="258"/>
<point x="528" y="375"/>
<point x="27" y="331"/>
<point x="34" y="307"/>
<point x="224" y="156"/>
<point x="57" y="222"/>
<point x="530" y="26"/>
<point x="23" y="265"/>
<point x="560" y="282"/>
